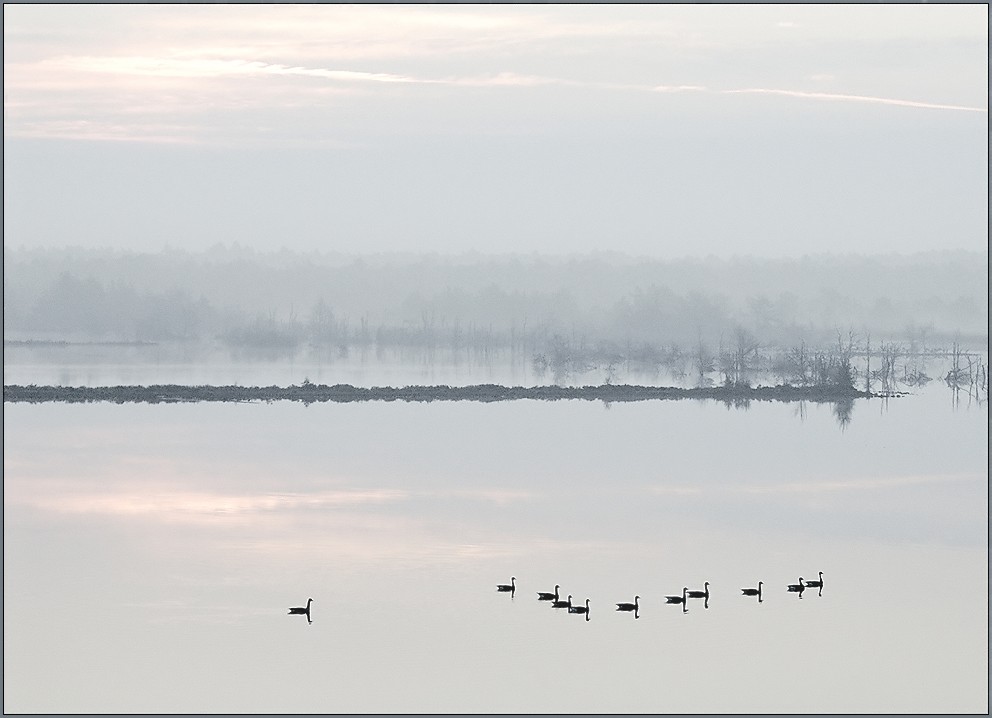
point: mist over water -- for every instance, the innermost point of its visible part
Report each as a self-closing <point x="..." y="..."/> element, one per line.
<point x="278" y="301"/>
<point x="162" y="541"/>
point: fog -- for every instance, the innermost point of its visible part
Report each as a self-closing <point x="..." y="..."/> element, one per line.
<point x="282" y="299"/>
<point x="613" y="179"/>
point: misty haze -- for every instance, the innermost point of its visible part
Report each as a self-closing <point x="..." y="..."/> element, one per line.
<point x="521" y="359"/>
<point x="573" y="319"/>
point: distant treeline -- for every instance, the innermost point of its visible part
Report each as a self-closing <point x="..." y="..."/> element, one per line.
<point x="531" y="303"/>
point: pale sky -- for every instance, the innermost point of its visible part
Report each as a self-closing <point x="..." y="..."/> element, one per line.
<point x="663" y="130"/>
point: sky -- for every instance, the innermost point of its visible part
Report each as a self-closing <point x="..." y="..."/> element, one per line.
<point x="656" y="130"/>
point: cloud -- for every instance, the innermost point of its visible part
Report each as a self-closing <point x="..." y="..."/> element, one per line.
<point x="206" y="76"/>
<point x="110" y="131"/>
<point x="190" y="505"/>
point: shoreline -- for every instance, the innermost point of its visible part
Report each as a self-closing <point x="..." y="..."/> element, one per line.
<point x="342" y="393"/>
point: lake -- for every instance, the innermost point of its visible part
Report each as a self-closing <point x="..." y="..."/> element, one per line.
<point x="151" y="552"/>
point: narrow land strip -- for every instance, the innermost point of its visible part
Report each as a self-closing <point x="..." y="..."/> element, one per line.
<point x="311" y="393"/>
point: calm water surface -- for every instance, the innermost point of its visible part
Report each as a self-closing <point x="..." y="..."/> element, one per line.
<point x="151" y="553"/>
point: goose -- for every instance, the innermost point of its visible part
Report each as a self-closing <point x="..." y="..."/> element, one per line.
<point x="701" y="594"/>
<point x="302" y="611"/>
<point x="753" y="591"/>
<point x="677" y="599"/>
<point x="629" y="606"/>
<point x="580" y="609"/>
<point x="797" y="587"/>
<point x="511" y="587"/>
<point x="563" y="604"/>
<point x="816" y="584"/>
<point x="543" y="596"/>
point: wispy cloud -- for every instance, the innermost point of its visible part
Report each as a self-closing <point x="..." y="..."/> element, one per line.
<point x="196" y="506"/>
<point x="855" y="484"/>
<point x="501" y="497"/>
<point x="836" y="97"/>
<point x="677" y="490"/>
<point x="869" y="483"/>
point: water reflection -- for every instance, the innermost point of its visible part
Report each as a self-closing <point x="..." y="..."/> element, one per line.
<point x="208" y="364"/>
<point x="215" y="509"/>
<point x="842" y="412"/>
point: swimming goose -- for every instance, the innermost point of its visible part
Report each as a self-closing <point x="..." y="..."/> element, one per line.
<point x="629" y="606"/>
<point x="580" y="609"/>
<point x="797" y="587"/>
<point x="753" y="591"/>
<point x="677" y="599"/>
<point x="511" y="587"/>
<point x="701" y="594"/>
<point x="301" y="611"/>
<point x="563" y="604"/>
<point x="816" y="584"/>
<point x="543" y="596"/>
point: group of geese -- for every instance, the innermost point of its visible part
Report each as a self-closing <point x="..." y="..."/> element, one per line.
<point x="556" y="602"/>
<point x="682" y="599"/>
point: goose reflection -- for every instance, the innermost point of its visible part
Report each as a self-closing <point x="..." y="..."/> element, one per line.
<point x="510" y="587"/>
<point x="679" y="599"/>
<point x="753" y="591"/>
<point x="302" y="611"/>
<point x="797" y="587"/>
<point x="630" y="606"/>
<point x="563" y="604"/>
<point x="580" y="609"/>
<point x="544" y="596"/>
